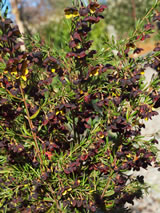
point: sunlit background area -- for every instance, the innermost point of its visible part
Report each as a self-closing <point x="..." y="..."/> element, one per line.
<point x="46" y="17"/>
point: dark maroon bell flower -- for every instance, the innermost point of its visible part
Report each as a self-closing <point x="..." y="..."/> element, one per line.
<point x="83" y="11"/>
<point x="137" y="50"/>
<point x="148" y="26"/>
<point x="87" y="98"/>
<point x="156" y="17"/>
<point x="92" y="19"/>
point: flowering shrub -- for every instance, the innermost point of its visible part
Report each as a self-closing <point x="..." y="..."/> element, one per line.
<point x="70" y="122"/>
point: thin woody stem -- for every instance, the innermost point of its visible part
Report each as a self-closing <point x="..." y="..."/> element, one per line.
<point x="105" y="189"/>
<point x="74" y="128"/>
<point x="53" y="195"/>
<point x="31" y="127"/>
<point x="151" y="9"/>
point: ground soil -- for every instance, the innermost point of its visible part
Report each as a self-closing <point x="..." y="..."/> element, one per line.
<point x="147" y="47"/>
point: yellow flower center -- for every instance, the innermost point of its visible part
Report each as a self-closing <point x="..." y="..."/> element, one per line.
<point x="142" y="73"/>
<point x="92" y="10"/>
<point x="53" y="70"/>
<point x="60" y="112"/>
<point x="71" y="13"/>
<point x="94" y="72"/>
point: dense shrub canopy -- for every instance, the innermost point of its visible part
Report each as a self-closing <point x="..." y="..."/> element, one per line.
<point x="70" y="121"/>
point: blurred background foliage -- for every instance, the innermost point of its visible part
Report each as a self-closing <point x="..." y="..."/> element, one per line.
<point x="46" y="17"/>
<point x="123" y="14"/>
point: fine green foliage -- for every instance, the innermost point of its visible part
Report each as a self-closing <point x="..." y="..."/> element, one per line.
<point x="71" y="118"/>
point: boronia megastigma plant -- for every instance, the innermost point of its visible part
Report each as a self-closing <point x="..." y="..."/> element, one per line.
<point x="70" y="122"/>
